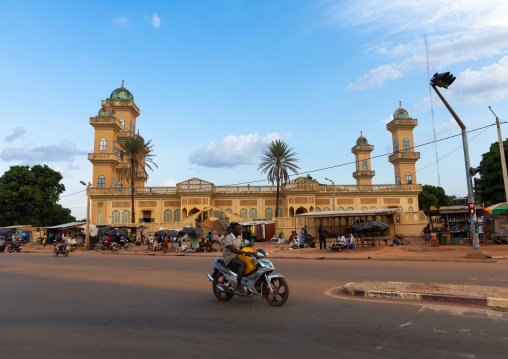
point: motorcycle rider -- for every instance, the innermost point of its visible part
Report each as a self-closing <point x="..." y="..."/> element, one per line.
<point x="232" y="245"/>
<point x="60" y="242"/>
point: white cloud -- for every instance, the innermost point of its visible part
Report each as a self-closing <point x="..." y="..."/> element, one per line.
<point x="386" y="120"/>
<point x="32" y="154"/>
<point x="450" y="126"/>
<point x="169" y="183"/>
<point x="156" y="21"/>
<point x="233" y="150"/>
<point x="122" y="22"/>
<point x="375" y="78"/>
<point x="62" y="171"/>
<point x="17" y="133"/>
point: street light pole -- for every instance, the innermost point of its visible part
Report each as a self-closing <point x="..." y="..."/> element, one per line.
<point x="501" y="153"/>
<point x="87" y="229"/>
<point x="470" y="197"/>
<point x="333" y="192"/>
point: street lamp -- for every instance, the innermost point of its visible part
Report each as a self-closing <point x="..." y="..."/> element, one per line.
<point x="87" y="229"/>
<point x="444" y="80"/>
<point x="333" y="191"/>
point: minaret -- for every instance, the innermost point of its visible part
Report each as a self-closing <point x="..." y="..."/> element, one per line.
<point x="362" y="150"/>
<point x="403" y="158"/>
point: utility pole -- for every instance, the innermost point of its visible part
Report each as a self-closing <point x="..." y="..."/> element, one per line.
<point x="501" y="152"/>
<point x="444" y="80"/>
<point x="87" y="229"/>
<point x="333" y="192"/>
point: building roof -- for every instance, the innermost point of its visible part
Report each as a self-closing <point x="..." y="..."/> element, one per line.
<point x="368" y="212"/>
<point x="400" y="113"/>
<point x="457" y="209"/>
<point x="121" y="94"/>
<point x="67" y="225"/>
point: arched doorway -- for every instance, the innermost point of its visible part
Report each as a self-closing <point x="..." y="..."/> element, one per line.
<point x="301" y="210"/>
<point x="192" y="211"/>
<point x="184" y="213"/>
<point x="291" y="211"/>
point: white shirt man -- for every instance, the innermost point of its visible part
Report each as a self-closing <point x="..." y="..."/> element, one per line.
<point x="341" y="239"/>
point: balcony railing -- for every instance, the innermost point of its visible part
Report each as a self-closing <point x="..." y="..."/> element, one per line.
<point x="401" y="155"/>
<point x="261" y="189"/>
<point x="103" y="156"/>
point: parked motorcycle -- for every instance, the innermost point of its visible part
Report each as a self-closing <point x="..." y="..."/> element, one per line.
<point x="14" y="247"/>
<point x="123" y="243"/>
<point x="259" y="281"/>
<point x="63" y="250"/>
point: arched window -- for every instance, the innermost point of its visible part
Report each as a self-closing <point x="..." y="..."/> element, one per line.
<point x="119" y="185"/>
<point x="326" y="209"/>
<point x="279" y="212"/>
<point x="364" y="164"/>
<point x="115" y="217"/>
<point x="357" y="165"/>
<point x="99" y="217"/>
<point x="364" y="208"/>
<point x="405" y="143"/>
<point x="103" y="144"/>
<point x="114" y="144"/>
<point x="373" y="207"/>
<point x="253" y="214"/>
<point x="410" y="209"/>
<point x="409" y="178"/>
<point x="395" y="147"/>
<point x="350" y="209"/>
<point x="219" y="214"/>
<point x="400" y="209"/>
<point x="101" y="182"/>
<point x="268" y="213"/>
<point x="384" y="207"/>
<point x="122" y="121"/>
<point x="134" y="128"/>
<point x="126" y="216"/>
<point x="177" y="216"/>
<point x="341" y="209"/>
<point x="318" y="209"/>
<point x="168" y="215"/>
<point x="130" y="126"/>
<point x="229" y="210"/>
<point x="397" y="179"/>
<point x="112" y="181"/>
<point x="243" y="213"/>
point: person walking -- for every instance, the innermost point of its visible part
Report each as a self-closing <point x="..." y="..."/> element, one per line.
<point x="322" y="238"/>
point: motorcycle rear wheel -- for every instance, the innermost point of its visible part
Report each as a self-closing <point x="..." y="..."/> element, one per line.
<point x="10" y="249"/>
<point x="98" y="249"/>
<point x="280" y="292"/>
<point x="18" y="250"/>
<point x="55" y="252"/>
<point x="219" y="294"/>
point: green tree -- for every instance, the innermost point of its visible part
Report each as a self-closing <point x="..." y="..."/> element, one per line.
<point x="29" y="196"/>
<point x="492" y="175"/>
<point x="276" y="160"/>
<point x="139" y="158"/>
<point x="433" y="196"/>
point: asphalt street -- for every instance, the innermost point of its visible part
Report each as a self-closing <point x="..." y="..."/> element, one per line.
<point x="92" y="305"/>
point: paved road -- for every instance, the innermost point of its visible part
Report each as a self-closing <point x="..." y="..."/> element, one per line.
<point x="107" y="306"/>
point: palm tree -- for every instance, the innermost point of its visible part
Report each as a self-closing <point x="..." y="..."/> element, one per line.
<point x="139" y="155"/>
<point x="276" y="159"/>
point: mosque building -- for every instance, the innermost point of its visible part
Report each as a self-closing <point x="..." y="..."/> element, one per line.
<point x="176" y="207"/>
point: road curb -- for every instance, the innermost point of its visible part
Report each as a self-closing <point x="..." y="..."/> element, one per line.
<point x="492" y="302"/>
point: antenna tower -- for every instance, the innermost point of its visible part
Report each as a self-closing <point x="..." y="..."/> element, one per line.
<point x="432" y="112"/>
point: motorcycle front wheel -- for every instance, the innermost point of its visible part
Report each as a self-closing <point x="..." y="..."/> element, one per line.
<point x="98" y="248"/>
<point x="279" y="292"/>
<point x="219" y="294"/>
<point x="66" y="253"/>
<point x="128" y="247"/>
<point x="18" y="250"/>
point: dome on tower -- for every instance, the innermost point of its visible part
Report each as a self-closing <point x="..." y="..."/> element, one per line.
<point x="121" y="94"/>
<point x="106" y="112"/>
<point x="361" y="140"/>
<point x="400" y="113"/>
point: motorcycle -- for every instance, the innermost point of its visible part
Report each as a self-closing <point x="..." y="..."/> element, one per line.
<point x="124" y="243"/>
<point x="63" y="250"/>
<point x="260" y="280"/>
<point x="14" y="247"/>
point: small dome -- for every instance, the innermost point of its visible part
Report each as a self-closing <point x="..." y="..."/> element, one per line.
<point x="121" y="94"/>
<point x="400" y="113"/>
<point x="106" y="112"/>
<point x="361" y="140"/>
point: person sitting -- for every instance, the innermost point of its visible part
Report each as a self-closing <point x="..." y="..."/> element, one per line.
<point x="232" y="248"/>
<point x="281" y="237"/>
<point x="295" y="242"/>
<point x="274" y="239"/>
<point x="341" y="240"/>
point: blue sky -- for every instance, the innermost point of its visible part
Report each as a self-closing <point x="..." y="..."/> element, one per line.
<point x="218" y="80"/>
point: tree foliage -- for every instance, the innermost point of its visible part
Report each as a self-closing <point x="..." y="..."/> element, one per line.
<point x="139" y="158"/>
<point x="276" y="160"/>
<point x="492" y="175"/>
<point x="29" y="196"/>
<point x="433" y="196"/>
